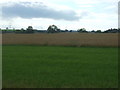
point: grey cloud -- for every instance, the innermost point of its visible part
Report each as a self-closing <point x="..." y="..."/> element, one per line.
<point x="26" y="10"/>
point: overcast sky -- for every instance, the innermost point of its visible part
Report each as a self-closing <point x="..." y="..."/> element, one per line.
<point x="66" y="14"/>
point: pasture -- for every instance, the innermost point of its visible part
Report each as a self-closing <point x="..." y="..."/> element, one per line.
<point x="34" y="66"/>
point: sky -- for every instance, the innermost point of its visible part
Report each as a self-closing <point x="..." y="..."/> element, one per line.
<point x="65" y="14"/>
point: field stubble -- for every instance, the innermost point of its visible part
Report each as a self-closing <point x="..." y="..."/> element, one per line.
<point x="63" y="39"/>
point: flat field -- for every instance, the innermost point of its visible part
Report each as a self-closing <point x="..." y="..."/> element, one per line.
<point x="30" y="66"/>
<point x="63" y="39"/>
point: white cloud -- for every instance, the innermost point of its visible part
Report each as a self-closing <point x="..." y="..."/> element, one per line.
<point x="96" y="14"/>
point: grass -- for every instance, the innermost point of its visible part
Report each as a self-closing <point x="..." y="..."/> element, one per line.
<point x="59" y="67"/>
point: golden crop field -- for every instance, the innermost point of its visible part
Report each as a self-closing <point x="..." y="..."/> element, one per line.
<point x="62" y="39"/>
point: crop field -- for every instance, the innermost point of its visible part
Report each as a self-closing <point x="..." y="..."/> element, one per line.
<point x="34" y="66"/>
<point x="63" y="39"/>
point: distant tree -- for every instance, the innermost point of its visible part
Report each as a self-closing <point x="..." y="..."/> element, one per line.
<point x="66" y="30"/>
<point x="82" y="30"/>
<point x="70" y="30"/>
<point x="93" y="31"/>
<point x="53" y="29"/>
<point x="112" y="30"/>
<point x="98" y="31"/>
<point x="22" y="30"/>
<point x="30" y="29"/>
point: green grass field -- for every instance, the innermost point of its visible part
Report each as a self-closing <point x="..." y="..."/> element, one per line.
<point x="59" y="67"/>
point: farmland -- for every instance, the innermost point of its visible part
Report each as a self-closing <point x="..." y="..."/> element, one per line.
<point x="60" y="60"/>
<point x="34" y="66"/>
<point x="62" y="39"/>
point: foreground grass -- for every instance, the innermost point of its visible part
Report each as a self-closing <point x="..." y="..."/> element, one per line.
<point x="61" y="67"/>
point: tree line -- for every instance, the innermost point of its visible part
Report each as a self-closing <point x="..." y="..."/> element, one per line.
<point x="55" y="29"/>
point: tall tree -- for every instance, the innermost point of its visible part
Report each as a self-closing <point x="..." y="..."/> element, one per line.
<point x="82" y="30"/>
<point x="30" y="29"/>
<point x="53" y="29"/>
